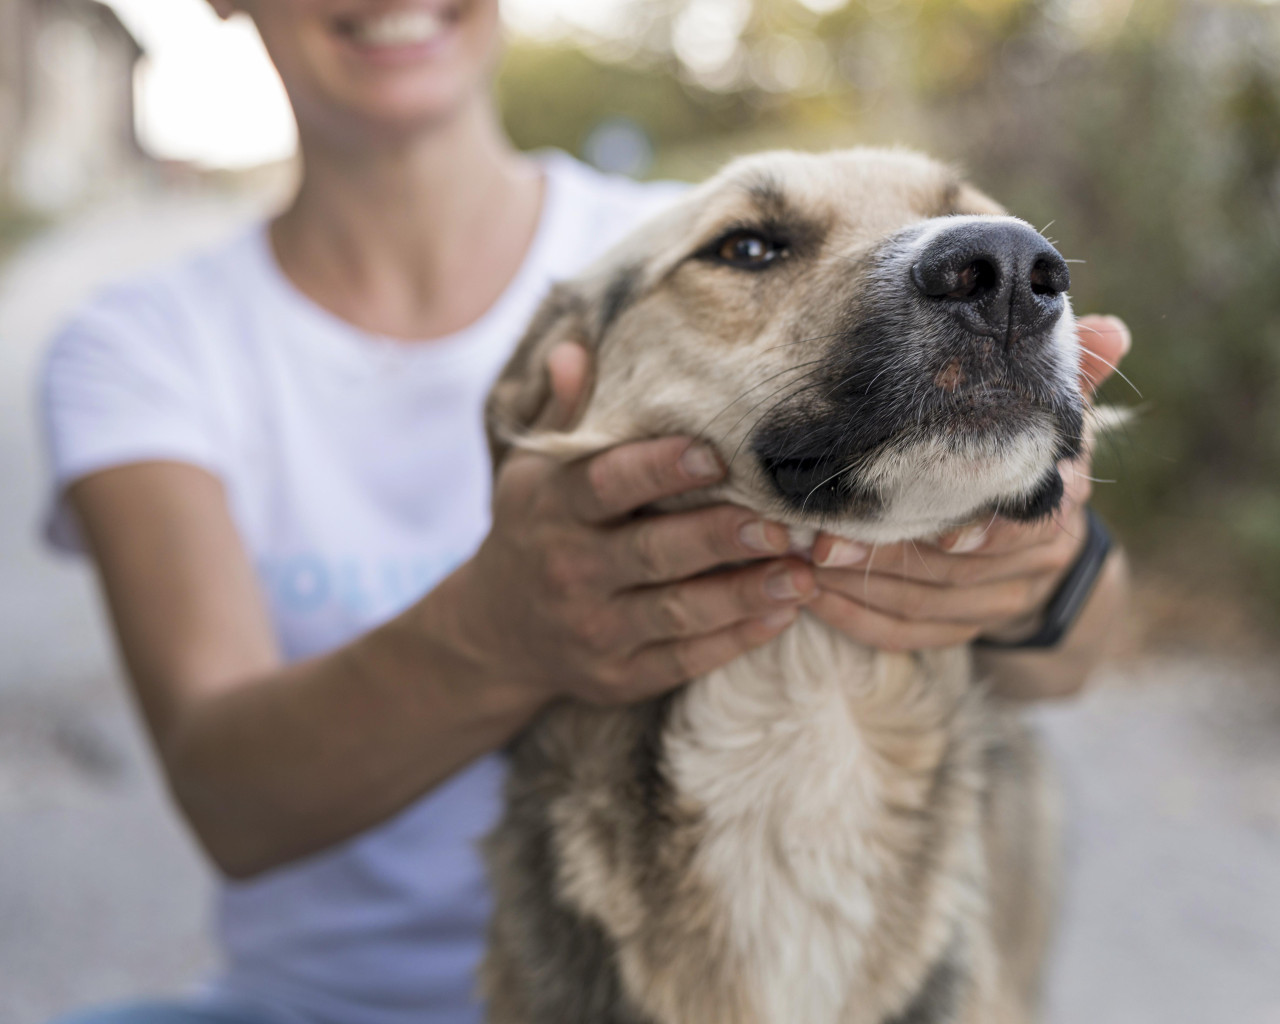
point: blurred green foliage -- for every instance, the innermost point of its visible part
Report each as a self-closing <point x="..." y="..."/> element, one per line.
<point x="1146" y="131"/>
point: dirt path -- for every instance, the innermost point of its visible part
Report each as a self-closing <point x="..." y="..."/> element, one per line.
<point x="1171" y="768"/>
<point x="1172" y="914"/>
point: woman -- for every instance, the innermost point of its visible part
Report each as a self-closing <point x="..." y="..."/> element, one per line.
<point x="274" y="455"/>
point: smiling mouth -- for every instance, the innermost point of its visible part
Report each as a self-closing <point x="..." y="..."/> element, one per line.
<point x="406" y="27"/>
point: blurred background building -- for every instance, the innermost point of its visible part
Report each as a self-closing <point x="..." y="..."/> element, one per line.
<point x="66" y="102"/>
<point x="1145" y="136"/>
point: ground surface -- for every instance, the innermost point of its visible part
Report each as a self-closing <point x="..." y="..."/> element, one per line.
<point x="1171" y="767"/>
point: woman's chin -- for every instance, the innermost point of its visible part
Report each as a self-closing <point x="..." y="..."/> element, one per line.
<point x="344" y="77"/>
<point x="399" y="117"/>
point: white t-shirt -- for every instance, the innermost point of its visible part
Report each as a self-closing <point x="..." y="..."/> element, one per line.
<point x="357" y="475"/>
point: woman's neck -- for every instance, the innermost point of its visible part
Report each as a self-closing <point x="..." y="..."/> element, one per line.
<point x="415" y="240"/>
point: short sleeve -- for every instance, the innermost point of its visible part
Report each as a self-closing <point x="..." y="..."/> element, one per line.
<point x="121" y="383"/>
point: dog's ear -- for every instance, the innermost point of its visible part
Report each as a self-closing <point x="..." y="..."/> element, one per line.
<point x="523" y="389"/>
<point x="581" y="312"/>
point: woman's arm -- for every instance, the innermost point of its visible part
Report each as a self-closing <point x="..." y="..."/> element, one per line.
<point x="268" y="761"/>
<point x="1063" y="670"/>
<point x="568" y="595"/>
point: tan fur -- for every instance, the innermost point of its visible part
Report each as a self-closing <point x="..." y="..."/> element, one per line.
<point x="824" y="812"/>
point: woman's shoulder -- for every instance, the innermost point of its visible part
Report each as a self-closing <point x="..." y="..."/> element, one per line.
<point x="164" y="322"/>
<point x="590" y="184"/>
<point x="164" y="299"/>
<point x="592" y="209"/>
<point x="152" y="341"/>
<point x="128" y="377"/>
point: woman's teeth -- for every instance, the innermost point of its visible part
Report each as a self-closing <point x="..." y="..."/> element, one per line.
<point x="399" y="28"/>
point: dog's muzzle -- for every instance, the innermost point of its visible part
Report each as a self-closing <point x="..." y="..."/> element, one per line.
<point x="954" y="343"/>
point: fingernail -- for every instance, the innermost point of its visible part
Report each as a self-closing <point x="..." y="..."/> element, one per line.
<point x="843" y="553"/>
<point x="781" y="585"/>
<point x="1122" y="329"/>
<point x="700" y="462"/>
<point x="765" y="538"/>
<point x="779" y="619"/>
<point x="969" y="539"/>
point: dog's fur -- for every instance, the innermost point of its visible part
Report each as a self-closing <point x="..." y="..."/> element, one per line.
<point x="817" y="833"/>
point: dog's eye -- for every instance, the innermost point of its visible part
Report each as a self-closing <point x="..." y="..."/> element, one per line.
<point x="748" y="250"/>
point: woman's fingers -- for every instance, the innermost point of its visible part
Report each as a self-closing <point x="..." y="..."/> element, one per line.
<point x="884" y="631"/>
<point x="712" y="603"/>
<point x="974" y="553"/>
<point x="617" y="482"/>
<point x="924" y="563"/>
<point x="998" y="536"/>
<point x="661" y="666"/>
<point x="568" y="367"/>
<point x="1001" y="537"/>
<point x="982" y="605"/>
<point x="1104" y="341"/>
<point x="678" y="545"/>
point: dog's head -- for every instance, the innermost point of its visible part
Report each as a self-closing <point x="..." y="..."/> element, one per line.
<point x="872" y="346"/>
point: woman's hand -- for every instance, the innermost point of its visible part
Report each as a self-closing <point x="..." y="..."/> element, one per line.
<point x="574" y="594"/>
<point x="989" y="579"/>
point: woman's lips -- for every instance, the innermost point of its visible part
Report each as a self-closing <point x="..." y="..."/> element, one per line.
<point x="405" y="35"/>
<point x="407" y="27"/>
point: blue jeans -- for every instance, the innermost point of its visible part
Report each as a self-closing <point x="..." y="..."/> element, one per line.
<point x="169" y="1012"/>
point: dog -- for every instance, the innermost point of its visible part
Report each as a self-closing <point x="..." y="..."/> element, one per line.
<point x="818" y="832"/>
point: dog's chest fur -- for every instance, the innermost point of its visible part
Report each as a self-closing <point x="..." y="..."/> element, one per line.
<point x="793" y="837"/>
<point x="812" y="760"/>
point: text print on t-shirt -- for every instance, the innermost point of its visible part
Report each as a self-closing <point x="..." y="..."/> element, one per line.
<point x="308" y="583"/>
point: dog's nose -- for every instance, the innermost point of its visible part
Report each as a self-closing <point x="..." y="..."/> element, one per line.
<point x="1001" y="279"/>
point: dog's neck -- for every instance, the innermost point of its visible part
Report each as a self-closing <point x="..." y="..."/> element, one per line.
<point x="807" y="756"/>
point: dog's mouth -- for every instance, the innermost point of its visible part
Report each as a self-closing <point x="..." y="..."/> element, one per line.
<point x="980" y="411"/>
<point x="823" y="484"/>
<point x="823" y="466"/>
<point x="803" y="477"/>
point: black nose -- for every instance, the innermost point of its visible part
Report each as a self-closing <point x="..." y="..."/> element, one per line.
<point x="1001" y="279"/>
